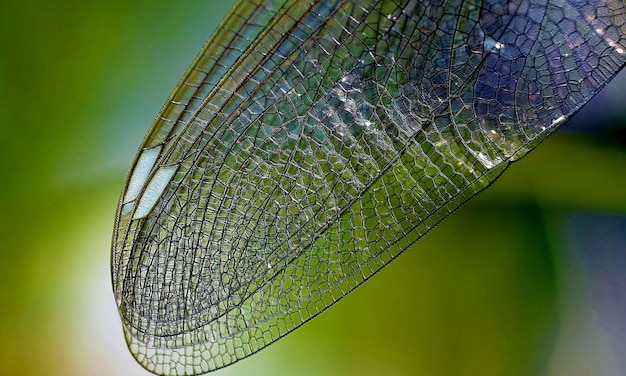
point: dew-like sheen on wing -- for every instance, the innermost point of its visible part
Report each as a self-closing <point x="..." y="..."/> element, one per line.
<point x="311" y="142"/>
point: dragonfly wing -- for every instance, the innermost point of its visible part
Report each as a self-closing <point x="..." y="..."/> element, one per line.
<point x="311" y="142"/>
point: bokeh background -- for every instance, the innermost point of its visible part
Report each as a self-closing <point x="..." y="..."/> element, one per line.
<point x="527" y="279"/>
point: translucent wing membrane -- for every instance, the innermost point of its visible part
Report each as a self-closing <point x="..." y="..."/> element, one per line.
<point x="311" y="142"/>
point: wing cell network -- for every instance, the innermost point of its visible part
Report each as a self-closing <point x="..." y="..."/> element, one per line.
<point x="311" y="142"/>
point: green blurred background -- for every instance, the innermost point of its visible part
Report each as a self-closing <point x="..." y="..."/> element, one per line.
<point x="509" y="285"/>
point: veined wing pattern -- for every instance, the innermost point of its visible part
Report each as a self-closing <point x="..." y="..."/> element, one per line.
<point x="311" y="142"/>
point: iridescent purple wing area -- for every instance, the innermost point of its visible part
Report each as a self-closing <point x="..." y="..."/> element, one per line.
<point x="312" y="142"/>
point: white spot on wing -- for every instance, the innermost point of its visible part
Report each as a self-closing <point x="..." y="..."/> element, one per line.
<point x="558" y="120"/>
<point x="141" y="172"/>
<point x="154" y="190"/>
<point x="491" y="44"/>
<point x="486" y="160"/>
